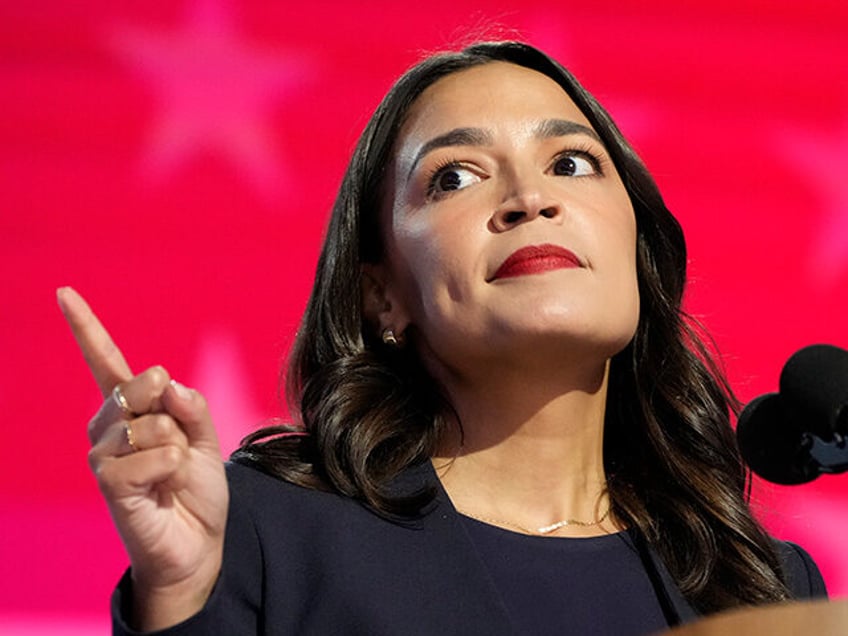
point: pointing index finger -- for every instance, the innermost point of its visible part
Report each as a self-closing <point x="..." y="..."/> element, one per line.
<point x="102" y="355"/>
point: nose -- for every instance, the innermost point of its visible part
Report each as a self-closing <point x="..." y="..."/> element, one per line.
<point x="525" y="200"/>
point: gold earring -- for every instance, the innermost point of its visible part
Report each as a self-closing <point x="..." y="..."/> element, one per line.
<point x="389" y="337"/>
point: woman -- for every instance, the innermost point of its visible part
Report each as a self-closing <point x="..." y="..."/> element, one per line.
<point x="506" y="427"/>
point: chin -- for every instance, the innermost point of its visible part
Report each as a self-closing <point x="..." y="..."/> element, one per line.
<point x="597" y="327"/>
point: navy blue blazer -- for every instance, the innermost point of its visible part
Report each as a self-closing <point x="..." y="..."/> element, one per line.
<point x="298" y="561"/>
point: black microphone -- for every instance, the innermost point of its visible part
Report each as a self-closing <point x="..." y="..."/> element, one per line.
<point x="793" y="436"/>
<point x="815" y="380"/>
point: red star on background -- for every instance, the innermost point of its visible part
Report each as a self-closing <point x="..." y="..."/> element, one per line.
<point x="221" y="374"/>
<point x="823" y="160"/>
<point x="215" y="93"/>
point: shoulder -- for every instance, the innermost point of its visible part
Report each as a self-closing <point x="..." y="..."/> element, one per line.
<point x="257" y="492"/>
<point x="803" y="577"/>
<point x="307" y="557"/>
<point x="294" y="522"/>
<point x="262" y="496"/>
<point x="250" y="485"/>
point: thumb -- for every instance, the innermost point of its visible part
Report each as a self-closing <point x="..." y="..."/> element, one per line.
<point x="190" y="409"/>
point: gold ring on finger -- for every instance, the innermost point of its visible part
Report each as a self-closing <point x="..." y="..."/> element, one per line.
<point x="121" y="401"/>
<point x="130" y="435"/>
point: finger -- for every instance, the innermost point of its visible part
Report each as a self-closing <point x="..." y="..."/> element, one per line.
<point x="190" y="409"/>
<point x="142" y="394"/>
<point x="137" y="473"/>
<point x="148" y="431"/>
<point x="101" y="354"/>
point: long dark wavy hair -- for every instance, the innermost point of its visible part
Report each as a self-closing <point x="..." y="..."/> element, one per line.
<point x="364" y="413"/>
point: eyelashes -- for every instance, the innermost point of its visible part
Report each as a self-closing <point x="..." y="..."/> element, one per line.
<point x="579" y="161"/>
<point x="450" y="175"/>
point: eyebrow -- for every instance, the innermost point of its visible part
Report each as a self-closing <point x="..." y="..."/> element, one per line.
<point x="455" y="137"/>
<point x="562" y="128"/>
<point x="482" y="137"/>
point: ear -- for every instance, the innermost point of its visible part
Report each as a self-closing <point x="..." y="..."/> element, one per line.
<point x="382" y="307"/>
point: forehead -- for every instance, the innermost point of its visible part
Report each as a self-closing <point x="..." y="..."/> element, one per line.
<point x="494" y="95"/>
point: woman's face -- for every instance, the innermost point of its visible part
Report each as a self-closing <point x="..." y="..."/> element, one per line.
<point x="508" y="229"/>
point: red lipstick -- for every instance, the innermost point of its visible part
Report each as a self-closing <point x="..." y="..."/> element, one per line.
<point x="535" y="259"/>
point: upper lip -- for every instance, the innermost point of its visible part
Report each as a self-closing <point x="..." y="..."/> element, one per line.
<point x="535" y="252"/>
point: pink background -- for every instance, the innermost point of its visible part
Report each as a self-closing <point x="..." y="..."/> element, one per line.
<point x="175" y="162"/>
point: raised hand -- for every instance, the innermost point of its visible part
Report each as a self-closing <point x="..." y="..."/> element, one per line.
<point x="156" y="457"/>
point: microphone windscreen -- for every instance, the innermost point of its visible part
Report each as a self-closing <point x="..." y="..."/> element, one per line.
<point x="771" y="442"/>
<point x="815" y="382"/>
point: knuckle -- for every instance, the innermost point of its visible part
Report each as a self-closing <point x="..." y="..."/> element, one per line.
<point x="159" y="377"/>
<point x="106" y="474"/>
<point x="92" y="429"/>
<point x="99" y="422"/>
<point x="161" y="426"/>
<point x="200" y="401"/>
<point x="172" y="455"/>
<point x="94" y="459"/>
<point x="109" y="351"/>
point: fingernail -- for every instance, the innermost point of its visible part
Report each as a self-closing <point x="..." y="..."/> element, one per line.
<point x="182" y="392"/>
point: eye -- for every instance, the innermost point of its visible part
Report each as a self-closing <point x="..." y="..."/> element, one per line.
<point x="574" y="163"/>
<point x="450" y="178"/>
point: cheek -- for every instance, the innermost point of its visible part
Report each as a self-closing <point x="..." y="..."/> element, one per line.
<point x="608" y="223"/>
<point x="440" y="253"/>
<point x="622" y="227"/>
<point x="417" y="269"/>
<point x="616" y="241"/>
<point x="627" y="255"/>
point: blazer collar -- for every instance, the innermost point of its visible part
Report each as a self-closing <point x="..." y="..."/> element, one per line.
<point x="441" y="512"/>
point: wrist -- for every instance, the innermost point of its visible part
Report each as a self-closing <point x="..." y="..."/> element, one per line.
<point x="156" y="607"/>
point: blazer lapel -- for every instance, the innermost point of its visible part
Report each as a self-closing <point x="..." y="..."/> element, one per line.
<point x="676" y="608"/>
<point x="445" y="536"/>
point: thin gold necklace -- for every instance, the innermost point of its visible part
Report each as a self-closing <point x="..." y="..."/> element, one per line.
<point x="544" y="530"/>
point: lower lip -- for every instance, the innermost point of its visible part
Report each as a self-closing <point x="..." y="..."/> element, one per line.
<point x="536" y="265"/>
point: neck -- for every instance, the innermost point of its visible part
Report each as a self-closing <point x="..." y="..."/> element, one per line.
<point x="530" y="450"/>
